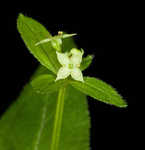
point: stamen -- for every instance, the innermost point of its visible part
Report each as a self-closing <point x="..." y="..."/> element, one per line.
<point x="78" y="65"/>
<point x="60" y="32"/>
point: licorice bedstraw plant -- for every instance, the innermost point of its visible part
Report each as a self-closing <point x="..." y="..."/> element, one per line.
<point x="65" y="70"/>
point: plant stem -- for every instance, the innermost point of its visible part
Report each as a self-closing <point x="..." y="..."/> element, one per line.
<point x="58" y="119"/>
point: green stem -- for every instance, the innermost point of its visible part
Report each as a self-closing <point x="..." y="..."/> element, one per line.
<point x="58" y="120"/>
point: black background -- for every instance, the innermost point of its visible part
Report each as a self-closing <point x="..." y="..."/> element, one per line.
<point x="110" y="38"/>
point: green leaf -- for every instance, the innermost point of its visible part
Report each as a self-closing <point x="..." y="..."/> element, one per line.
<point x="99" y="90"/>
<point x="28" y="123"/>
<point x="33" y="32"/>
<point x="86" y="62"/>
<point x="45" y="84"/>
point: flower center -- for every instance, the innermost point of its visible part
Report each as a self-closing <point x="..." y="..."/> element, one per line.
<point x="70" y="66"/>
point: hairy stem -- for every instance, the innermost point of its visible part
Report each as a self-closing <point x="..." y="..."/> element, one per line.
<point x="58" y="120"/>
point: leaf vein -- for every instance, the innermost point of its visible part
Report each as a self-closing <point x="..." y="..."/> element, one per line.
<point x="42" y="124"/>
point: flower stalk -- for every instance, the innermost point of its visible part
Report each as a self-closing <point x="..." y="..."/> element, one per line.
<point x="58" y="119"/>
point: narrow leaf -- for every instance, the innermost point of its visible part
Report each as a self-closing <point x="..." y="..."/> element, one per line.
<point x="33" y="32"/>
<point x="99" y="90"/>
<point x="68" y="35"/>
<point x="86" y="62"/>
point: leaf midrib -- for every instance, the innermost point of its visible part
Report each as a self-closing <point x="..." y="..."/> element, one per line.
<point x="99" y="89"/>
<point x="42" y="124"/>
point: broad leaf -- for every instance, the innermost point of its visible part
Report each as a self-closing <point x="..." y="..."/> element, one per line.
<point x="33" y="32"/>
<point x="28" y="123"/>
<point x="45" y="84"/>
<point x="99" y="90"/>
<point x="86" y="62"/>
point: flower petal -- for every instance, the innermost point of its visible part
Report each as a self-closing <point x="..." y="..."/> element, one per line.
<point x="77" y="74"/>
<point x="63" y="58"/>
<point x="76" y="57"/>
<point x="63" y="73"/>
<point x="76" y="51"/>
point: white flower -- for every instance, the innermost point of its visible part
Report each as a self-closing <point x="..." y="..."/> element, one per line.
<point x="70" y="65"/>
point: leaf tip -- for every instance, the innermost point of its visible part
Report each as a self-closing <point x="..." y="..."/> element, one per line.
<point x="92" y="56"/>
<point x="20" y="15"/>
<point x="123" y="104"/>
